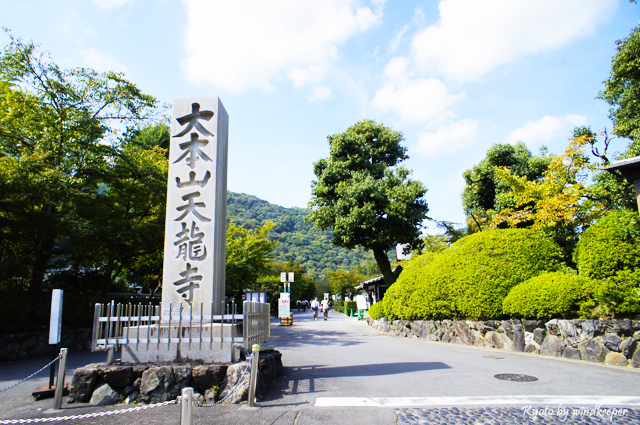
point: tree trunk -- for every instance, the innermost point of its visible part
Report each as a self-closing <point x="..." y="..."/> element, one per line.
<point x="384" y="265"/>
<point x="43" y="248"/>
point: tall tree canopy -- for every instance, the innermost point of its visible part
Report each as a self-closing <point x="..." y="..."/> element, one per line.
<point x="622" y="91"/>
<point x="365" y="196"/>
<point x="559" y="202"/>
<point x="59" y="153"/>
<point x="622" y="88"/>
<point x="485" y="193"/>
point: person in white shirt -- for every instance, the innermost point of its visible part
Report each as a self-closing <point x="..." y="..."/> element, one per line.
<point x="315" y="306"/>
<point x="325" y="308"/>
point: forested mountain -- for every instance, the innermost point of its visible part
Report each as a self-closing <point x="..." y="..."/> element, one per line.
<point x="297" y="239"/>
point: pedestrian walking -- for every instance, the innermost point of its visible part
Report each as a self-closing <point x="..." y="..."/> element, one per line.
<point x="315" y="306"/>
<point x="325" y="308"/>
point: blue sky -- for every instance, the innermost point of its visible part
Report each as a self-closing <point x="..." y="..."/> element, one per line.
<point x="455" y="76"/>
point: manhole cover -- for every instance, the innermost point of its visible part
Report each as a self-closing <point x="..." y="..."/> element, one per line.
<point x="494" y="357"/>
<point x="515" y="377"/>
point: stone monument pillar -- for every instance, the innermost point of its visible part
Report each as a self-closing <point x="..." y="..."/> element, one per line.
<point x="196" y="222"/>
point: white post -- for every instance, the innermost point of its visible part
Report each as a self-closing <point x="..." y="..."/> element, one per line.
<point x="55" y="323"/>
<point x="255" y="353"/>
<point x="186" y="406"/>
<point x="62" y="368"/>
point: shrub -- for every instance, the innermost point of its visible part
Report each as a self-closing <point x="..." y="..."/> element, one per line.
<point x="620" y="294"/>
<point x="611" y="245"/>
<point x="471" y="278"/>
<point x="550" y="295"/>
<point x="349" y="305"/>
<point x="396" y="298"/>
<point x="338" y="305"/>
<point x="377" y="311"/>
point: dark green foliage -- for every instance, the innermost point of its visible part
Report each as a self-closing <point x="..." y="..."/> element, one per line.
<point x="349" y="306"/>
<point x="550" y="295"/>
<point x="609" y="251"/>
<point x="622" y="88"/>
<point x="611" y="245"/>
<point x="248" y="254"/>
<point x="612" y="189"/>
<point x="365" y="196"/>
<point x="481" y="197"/>
<point x="297" y="240"/>
<point x="338" y="305"/>
<point x="75" y="192"/>
<point x="620" y="294"/>
<point x="472" y="278"/>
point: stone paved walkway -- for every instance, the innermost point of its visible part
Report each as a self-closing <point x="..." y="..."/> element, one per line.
<point x="529" y="415"/>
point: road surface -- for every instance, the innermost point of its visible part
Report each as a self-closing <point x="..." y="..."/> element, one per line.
<point x="340" y="371"/>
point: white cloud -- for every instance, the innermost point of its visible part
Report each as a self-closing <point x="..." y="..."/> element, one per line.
<point x="97" y="60"/>
<point x="415" y="99"/>
<point x="397" y="39"/>
<point x="474" y="37"/>
<point x="448" y="138"/>
<point x="237" y="45"/>
<point x="109" y="4"/>
<point x="320" y="93"/>
<point x="546" y="129"/>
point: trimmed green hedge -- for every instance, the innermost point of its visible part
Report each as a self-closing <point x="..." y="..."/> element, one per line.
<point x="377" y="311"/>
<point x="349" y="305"/>
<point x="338" y="305"/>
<point x="611" y="245"/>
<point x="396" y="298"/>
<point x="472" y="278"/>
<point x="550" y="295"/>
<point x="609" y="251"/>
<point x="620" y="294"/>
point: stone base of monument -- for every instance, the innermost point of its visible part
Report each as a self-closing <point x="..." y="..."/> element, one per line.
<point x="209" y="343"/>
<point x="156" y="383"/>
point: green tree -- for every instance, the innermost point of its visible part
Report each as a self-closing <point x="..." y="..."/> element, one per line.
<point x="558" y="204"/>
<point x="248" y="255"/>
<point x="622" y="88"/>
<point x="58" y="131"/>
<point x="343" y="282"/>
<point x="485" y="193"/>
<point x="364" y="196"/>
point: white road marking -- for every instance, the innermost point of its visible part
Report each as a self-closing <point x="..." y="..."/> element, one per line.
<point x="570" y="400"/>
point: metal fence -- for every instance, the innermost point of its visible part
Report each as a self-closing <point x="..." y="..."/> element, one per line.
<point x="256" y="325"/>
<point x="146" y="327"/>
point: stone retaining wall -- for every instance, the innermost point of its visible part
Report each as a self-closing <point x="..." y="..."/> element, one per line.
<point x="614" y="342"/>
<point x="102" y="384"/>
<point x="26" y="345"/>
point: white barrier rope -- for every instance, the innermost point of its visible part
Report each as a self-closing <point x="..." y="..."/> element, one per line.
<point x="85" y="416"/>
<point x="33" y="374"/>
<point x="114" y="412"/>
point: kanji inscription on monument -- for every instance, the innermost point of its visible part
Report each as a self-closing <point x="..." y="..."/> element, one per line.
<point x="196" y="223"/>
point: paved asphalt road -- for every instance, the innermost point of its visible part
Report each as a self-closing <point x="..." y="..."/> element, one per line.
<point x="342" y="372"/>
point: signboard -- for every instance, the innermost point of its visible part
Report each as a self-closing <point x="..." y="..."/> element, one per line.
<point x="55" y="325"/>
<point x="283" y="277"/>
<point x="291" y="277"/>
<point x="284" y="305"/>
<point x="362" y="302"/>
